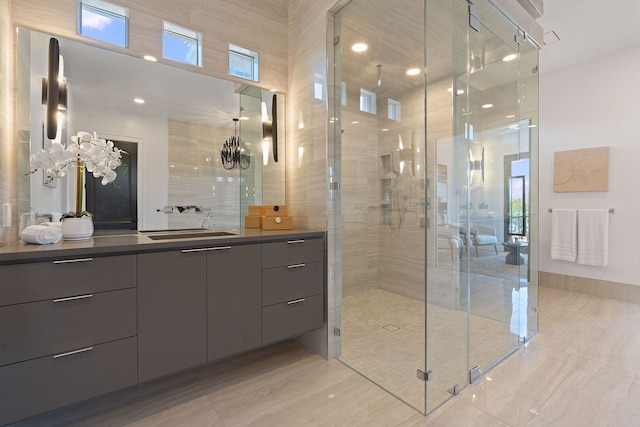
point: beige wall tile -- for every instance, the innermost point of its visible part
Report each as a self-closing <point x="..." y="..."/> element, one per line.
<point x="8" y="149"/>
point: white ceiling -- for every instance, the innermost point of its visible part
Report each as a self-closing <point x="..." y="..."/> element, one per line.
<point x="588" y="29"/>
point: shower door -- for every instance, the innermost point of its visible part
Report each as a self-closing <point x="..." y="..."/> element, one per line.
<point x="496" y="215"/>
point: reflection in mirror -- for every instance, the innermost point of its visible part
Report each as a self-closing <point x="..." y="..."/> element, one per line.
<point x="177" y="119"/>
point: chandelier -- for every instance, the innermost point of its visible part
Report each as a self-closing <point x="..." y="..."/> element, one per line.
<point x="234" y="153"/>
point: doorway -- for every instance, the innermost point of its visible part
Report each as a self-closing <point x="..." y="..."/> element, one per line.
<point x="115" y="205"/>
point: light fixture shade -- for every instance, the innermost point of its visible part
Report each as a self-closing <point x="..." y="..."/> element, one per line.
<point x="270" y="128"/>
<point x="274" y="127"/>
<point x="265" y="152"/>
<point x="50" y="93"/>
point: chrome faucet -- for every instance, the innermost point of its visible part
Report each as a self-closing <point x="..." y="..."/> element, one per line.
<point x="205" y="222"/>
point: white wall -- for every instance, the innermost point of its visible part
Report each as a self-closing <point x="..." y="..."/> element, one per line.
<point x="594" y="104"/>
<point x="151" y="135"/>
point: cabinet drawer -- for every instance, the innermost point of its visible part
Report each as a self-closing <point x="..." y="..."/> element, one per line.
<point x="42" y="328"/>
<point x="291" y="318"/>
<point x="39" y="385"/>
<point x="65" y="277"/>
<point x="282" y="284"/>
<point x="293" y="251"/>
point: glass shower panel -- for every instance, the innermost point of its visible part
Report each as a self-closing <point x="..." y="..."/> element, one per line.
<point x="260" y="183"/>
<point x="250" y="133"/>
<point x="447" y="151"/>
<point x="382" y="186"/>
<point x="498" y="173"/>
<point x="528" y="114"/>
<point x="435" y="209"/>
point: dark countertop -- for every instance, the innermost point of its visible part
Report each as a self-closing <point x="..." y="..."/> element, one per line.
<point x="138" y="242"/>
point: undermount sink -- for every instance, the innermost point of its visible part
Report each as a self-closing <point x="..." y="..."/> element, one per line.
<point x="181" y="234"/>
<point x="176" y="230"/>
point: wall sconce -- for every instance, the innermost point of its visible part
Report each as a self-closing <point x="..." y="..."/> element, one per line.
<point x="270" y="131"/>
<point x="234" y="153"/>
<point x="477" y="165"/>
<point x="54" y="90"/>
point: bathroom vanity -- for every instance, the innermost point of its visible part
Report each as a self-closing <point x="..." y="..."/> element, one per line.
<point x="80" y="319"/>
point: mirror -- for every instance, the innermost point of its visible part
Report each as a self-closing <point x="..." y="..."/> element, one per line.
<point x="179" y="129"/>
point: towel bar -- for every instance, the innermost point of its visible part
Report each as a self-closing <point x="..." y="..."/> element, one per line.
<point x="611" y="210"/>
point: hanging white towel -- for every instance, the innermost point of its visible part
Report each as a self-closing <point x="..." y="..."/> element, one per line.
<point x="563" y="234"/>
<point x="593" y="237"/>
<point x="41" y="234"/>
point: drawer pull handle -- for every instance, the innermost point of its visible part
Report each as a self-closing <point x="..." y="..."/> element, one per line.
<point x="73" y="298"/>
<point x="188" y="251"/>
<point x="291" y="242"/>
<point x="69" y="353"/>
<point x="68" y="261"/>
<point x="296" y="265"/>
<point x="217" y="248"/>
<point x="296" y="301"/>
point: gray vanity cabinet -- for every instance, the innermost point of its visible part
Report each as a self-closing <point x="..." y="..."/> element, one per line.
<point x="172" y="312"/>
<point x="67" y="332"/>
<point x="75" y="328"/>
<point x="233" y="299"/>
<point x="292" y="288"/>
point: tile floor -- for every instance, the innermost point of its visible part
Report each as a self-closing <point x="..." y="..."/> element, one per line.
<point x="582" y="369"/>
<point x="390" y="356"/>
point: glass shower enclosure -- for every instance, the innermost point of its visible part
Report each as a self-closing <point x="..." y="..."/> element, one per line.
<point x="434" y="112"/>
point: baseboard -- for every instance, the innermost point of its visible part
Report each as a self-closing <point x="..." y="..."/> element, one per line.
<point x="595" y="287"/>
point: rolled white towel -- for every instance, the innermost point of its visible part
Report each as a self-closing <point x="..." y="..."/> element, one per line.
<point x="41" y="234"/>
<point x="52" y="224"/>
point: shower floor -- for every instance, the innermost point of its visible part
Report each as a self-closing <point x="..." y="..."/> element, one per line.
<point x="383" y="338"/>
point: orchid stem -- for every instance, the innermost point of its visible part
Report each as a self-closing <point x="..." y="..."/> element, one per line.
<point x="79" y="187"/>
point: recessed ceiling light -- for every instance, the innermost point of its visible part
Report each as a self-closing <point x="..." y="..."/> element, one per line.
<point x="355" y="122"/>
<point x="138" y="101"/>
<point x="458" y="92"/>
<point x="487" y="106"/>
<point x="413" y="71"/>
<point x="510" y="57"/>
<point x="510" y="116"/>
<point x="385" y="130"/>
<point x="359" y="47"/>
<point x="150" y="58"/>
<point x="243" y="118"/>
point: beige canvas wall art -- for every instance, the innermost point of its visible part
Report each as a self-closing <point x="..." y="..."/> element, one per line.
<point x="581" y="170"/>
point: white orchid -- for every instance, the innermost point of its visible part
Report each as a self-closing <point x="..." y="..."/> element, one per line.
<point x="100" y="157"/>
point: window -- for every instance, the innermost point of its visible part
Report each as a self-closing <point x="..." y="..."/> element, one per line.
<point x="343" y="97"/>
<point x="182" y="44"/>
<point x="243" y="63"/>
<point x="103" y="21"/>
<point x="367" y="101"/>
<point x="318" y="87"/>
<point x="393" y="109"/>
